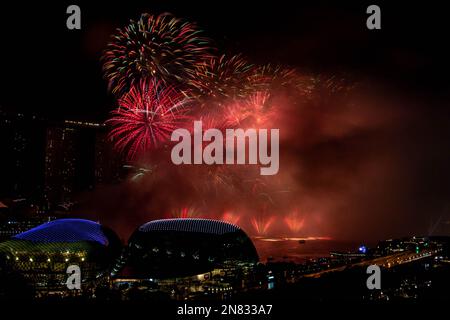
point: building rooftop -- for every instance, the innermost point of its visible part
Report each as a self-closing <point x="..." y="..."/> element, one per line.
<point x="190" y="225"/>
<point x="65" y="230"/>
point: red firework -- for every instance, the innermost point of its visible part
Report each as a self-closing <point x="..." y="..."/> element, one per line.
<point x="146" y="117"/>
<point x="231" y="218"/>
<point x="252" y="112"/>
<point x="160" y="46"/>
<point x="220" y="78"/>
<point x="261" y="225"/>
<point x="184" y="213"/>
<point x="294" y="221"/>
<point x="271" y="76"/>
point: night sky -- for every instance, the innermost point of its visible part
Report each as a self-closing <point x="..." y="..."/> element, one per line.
<point x="392" y="172"/>
<point x="48" y="69"/>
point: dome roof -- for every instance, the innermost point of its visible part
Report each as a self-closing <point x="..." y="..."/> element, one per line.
<point x="66" y="230"/>
<point x="43" y="254"/>
<point x="190" y="225"/>
<point x="187" y="246"/>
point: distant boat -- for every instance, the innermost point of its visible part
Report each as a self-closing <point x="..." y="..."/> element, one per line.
<point x="302" y="241"/>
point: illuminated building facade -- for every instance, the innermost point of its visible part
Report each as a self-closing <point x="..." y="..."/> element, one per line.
<point x="108" y="163"/>
<point x="77" y="157"/>
<point x="14" y="226"/>
<point x="60" y="163"/>
<point x="182" y="247"/>
<point x="48" y="162"/>
<point x="186" y="258"/>
<point x="43" y="254"/>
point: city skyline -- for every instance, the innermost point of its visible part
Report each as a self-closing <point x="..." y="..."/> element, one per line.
<point x="189" y="153"/>
<point x="392" y="133"/>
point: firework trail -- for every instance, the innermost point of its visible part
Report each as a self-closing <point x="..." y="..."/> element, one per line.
<point x="269" y="77"/>
<point x="137" y="173"/>
<point x="184" y="213"/>
<point x="221" y="77"/>
<point x="220" y="178"/>
<point x="262" y="224"/>
<point x="160" y="46"/>
<point x="236" y="115"/>
<point x="231" y="218"/>
<point x="146" y="117"/>
<point x="323" y="87"/>
<point x="258" y="100"/>
<point x="162" y="70"/>
<point x="214" y="121"/>
<point x="252" y="112"/>
<point x="294" y="221"/>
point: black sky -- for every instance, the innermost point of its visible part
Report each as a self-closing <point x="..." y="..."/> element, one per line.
<point x="388" y="175"/>
<point x="49" y="70"/>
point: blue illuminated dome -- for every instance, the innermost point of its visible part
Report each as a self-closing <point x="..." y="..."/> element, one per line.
<point x="43" y="254"/>
<point x="66" y="230"/>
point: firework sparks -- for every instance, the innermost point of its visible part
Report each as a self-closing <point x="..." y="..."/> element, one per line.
<point x="262" y="224"/>
<point x="236" y="115"/>
<point x="251" y="112"/>
<point x="222" y="77"/>
<point x="137" y="173"/>
<point x="155" y="46"/>
<point x="231" y="218"/>
<point x="271" y="76"/>
<point x="294" y="221"/>
<point x="184" y="213"/>
<point x="323" y="86"/>
<point x="220" y="178"/>
<point x="146" y="117"/>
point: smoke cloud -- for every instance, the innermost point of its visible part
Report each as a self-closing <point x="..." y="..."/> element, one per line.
<point x="357" y="162"/>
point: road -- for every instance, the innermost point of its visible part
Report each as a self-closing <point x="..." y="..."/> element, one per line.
<point x="387" y="262"/>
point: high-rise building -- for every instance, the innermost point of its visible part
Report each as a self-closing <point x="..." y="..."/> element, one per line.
<point x="50" y="162"/>
<point x="22" y="140"/>
<point x="108" y="163"/>
<point x="77" y="157"/>
<point x="60" y="161"/>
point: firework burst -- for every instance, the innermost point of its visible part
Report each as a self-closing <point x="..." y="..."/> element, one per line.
<point x="262" y="224"/>
<point x="160" y="46"/>
<point x="220" y="78"/>
<point x="270" y="76"/>
<point x="220" y="178"/>
<point x="294" y="221"/>
<point x="146" y="117"/>
<point x="251" y="112"/>
<point x="326" y="86"/>
<point x="231" y="218"/>
<point x="184" y="213"/>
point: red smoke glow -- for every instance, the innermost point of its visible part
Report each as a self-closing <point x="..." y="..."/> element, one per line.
<point x="261" y="225"/>
<point x="294" y="222"/>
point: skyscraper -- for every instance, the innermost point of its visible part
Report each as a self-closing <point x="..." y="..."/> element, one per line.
<point x="77" y="156"/>
<point x="107" y="162"/>
<point x="60" y="163"/>
<point x="22" y="139"/>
